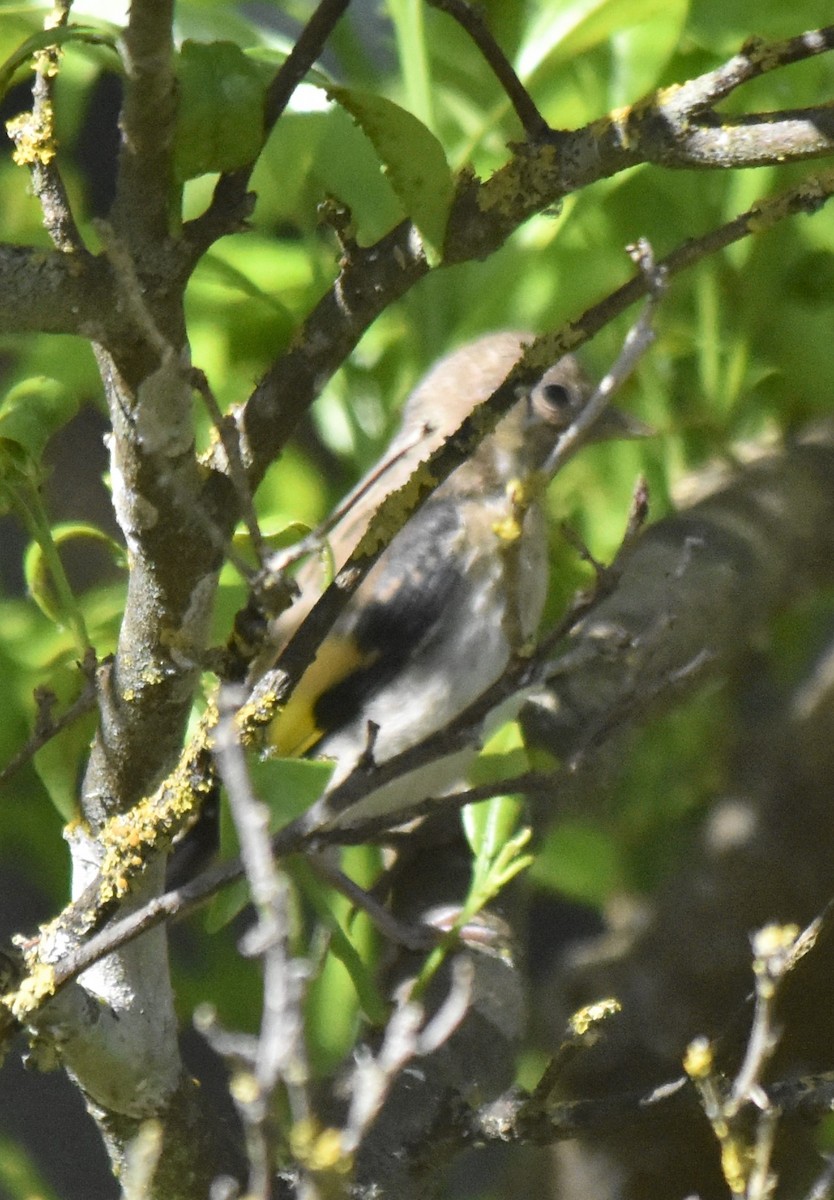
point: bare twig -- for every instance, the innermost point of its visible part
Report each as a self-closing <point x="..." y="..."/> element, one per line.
<point x="636" y="343"/>
<point x="34" y="135"/>
<point x="404" y="1039"/>
<point x="757" y="57"/>
<point x="413" y="937"/>
<point x="226" y="432"/>
<point x="280" y="1056"/>
<point x="472" y="20"/>
<point x="773" y="955"/>
<point x="584" y="1030"/>
<point x="47" y="727"/>
<point x="747" y="1152"/>
<point x="307" y="48"/>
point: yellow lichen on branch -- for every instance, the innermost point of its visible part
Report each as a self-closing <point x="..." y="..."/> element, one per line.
<point x="33" y="136"/>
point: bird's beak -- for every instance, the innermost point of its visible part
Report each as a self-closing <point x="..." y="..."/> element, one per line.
<point x="614" y="423"/>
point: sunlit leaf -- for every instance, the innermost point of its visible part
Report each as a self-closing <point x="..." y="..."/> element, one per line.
<point x="412" y="158"/>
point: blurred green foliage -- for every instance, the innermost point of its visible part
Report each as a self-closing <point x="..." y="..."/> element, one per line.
<point x="742" y="350"/>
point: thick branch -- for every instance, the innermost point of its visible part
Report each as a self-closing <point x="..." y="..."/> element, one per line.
<point x="46" y="291"/>
<point x="696" y="587"/>
<point x="140" y="213"/>
<point x="672" y="127"/>
<point x="371" y="278"/>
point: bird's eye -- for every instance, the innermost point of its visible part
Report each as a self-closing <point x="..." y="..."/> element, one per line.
<point x="555" y="395"/>
<point x="554" y="403"/>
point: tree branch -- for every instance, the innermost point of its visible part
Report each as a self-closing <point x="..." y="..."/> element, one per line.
<point x="36" y="146"/>
<point x="141" y="211"/>
<point x="49" y="291"/>
<point x="659" y="129"/>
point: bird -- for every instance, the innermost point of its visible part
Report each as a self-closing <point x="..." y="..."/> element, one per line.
<point x="442" y="612"/>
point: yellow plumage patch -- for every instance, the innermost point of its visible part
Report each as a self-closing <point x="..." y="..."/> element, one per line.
<point x="295" y="731"/>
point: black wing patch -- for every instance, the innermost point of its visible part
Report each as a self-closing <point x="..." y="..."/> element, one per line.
<point x="413" y="587"/>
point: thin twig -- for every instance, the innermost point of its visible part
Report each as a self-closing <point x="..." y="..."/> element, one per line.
<point x="747" y="1151"/>
<point x="405" y="1038"/>
<point x="584" y="1029"/>
<point x="401" y="933"/>
<point x="757" y="57"/>
<point x="773" y="949"/>
<point x="280" y="1056"/>
<point x="227" y="433"/>
<point x="471" y="19"/>
<point x="637" y="341"/>
<point x="47" y="727"/>
<point x="34" y="134"/>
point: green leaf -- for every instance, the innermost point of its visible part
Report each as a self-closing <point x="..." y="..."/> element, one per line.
<point x="289" y="785"/>
<point x="408" y="19"/>
<point x="49" y="37"/>
<point x="220" y="122"/>
<point x="567" y="30"/>
<point x="226" y="905"/>
<point x="37" y="570"/>
<point x="641" y="51"/>
<point x="276" y="534"/>
<point x="489" y="825"/>
<point x="341" y="944"/>
<point x="60" y="761"/>
<point x="412" y="158"/>
<point x="30" y="414"/>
